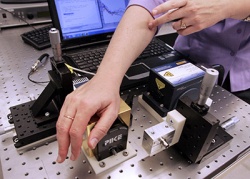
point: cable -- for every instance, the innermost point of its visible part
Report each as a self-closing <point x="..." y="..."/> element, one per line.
<point x="41" y="60"/>
<point x="79" y="70"/>
<point x="18" y="17"/>
<point x="71" y="68"/>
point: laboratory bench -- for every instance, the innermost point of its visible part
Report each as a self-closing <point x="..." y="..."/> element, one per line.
<point x="39" y="161"/>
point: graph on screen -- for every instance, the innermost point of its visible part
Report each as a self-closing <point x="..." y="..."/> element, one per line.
<point x="89" y="17"/>
<point x="112" y="10"/>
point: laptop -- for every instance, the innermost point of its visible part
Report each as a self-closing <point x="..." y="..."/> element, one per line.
<point x="86" y="26"/>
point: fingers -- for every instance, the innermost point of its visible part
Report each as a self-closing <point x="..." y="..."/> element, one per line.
<point x="74" y="117"/>
<point x="102" y="127"/>
<point x="76" y="132"/>
<point x="181" y="24"/>
<point x="63" y="125"/>
<point x="70" y="126"/>
<point x="63" y="140"/>
<point x="187" y="16"/>
<point x="170" y="11"/>
<point x="168" y="6"/>
<point x="186" y="26"/>
<point x="69" y="132"/>
<point x="181" y="27"/>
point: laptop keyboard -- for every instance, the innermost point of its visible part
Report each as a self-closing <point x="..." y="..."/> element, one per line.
<point x="38" y="38"/>
<point x="88" y="60"/>
<point x="91" y="59"/>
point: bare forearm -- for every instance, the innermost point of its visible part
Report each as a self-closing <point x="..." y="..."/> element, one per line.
<point x="239" y="9"/>
<point x="131" y="37"/>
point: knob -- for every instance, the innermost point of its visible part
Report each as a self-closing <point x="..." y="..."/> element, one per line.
<point x="30" y="16"/>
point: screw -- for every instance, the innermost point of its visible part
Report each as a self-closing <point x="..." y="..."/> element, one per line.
<point x="125" y="153"/>
<point x="47" y="114"/>
<point x="16" y="139"/>
<point x="9" y="116"/>
<point x="102" y="164"/>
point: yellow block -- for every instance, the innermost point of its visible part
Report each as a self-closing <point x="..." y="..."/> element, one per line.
<point x="125" y="112"/>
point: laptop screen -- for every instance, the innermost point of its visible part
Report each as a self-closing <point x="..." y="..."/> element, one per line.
<point x="84" y="19"/>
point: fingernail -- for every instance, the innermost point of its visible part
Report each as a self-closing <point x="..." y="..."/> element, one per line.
<point x="93" y="142"/>
<point x="72" y="157"/>
<point x="59" y="159"/>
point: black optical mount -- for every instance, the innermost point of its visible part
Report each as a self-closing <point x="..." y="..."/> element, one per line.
<point x="202" y="136"/>
<point x="36" y="120"/>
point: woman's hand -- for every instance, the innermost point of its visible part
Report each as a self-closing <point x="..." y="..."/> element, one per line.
<point x="100" y="96"/>
<point x="190" y="16"/>
<point x="97" y="97"/>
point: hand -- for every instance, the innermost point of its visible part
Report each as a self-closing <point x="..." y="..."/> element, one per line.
<point x="190" y="16"/>
<point x="97" y="97"/>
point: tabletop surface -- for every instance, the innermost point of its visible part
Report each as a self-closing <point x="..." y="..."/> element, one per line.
<point x="16" y="58"/>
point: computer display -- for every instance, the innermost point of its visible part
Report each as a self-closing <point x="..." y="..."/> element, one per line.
<point x="83" y="18"/>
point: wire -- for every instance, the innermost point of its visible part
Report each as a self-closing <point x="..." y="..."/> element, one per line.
<point x="18" y="17"/>
<point x="41" y="60"/>
<point x="71" y="68"/>
<point x="79" y="70"/>
<point x="33" y="81"/>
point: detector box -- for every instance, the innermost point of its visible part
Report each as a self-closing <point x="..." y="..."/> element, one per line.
<point x="167" y="83"/>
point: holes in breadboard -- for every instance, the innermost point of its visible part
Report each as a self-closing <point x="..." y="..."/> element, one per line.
<point x="21" y="88"/>
<point x="36" y="167"/>
<point x="15" y="82"/>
